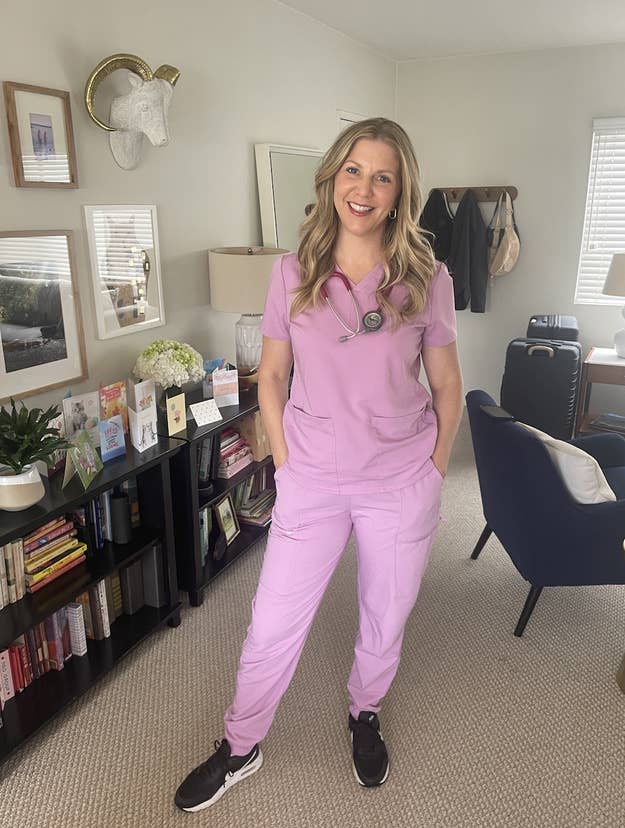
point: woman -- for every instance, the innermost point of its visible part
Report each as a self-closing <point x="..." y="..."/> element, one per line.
<point x="359" y="445"/>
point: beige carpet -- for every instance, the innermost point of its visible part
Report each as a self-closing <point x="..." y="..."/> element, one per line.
<point x="483" y="729"/>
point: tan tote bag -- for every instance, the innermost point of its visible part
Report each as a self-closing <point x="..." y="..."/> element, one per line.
<point x="504" y="244"/>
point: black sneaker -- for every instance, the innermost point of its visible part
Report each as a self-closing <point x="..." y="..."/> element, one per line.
<point x="369" y="754"/>
<point x="210" y="780"/>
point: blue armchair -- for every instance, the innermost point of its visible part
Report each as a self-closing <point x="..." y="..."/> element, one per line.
<point x="552" y="539"/>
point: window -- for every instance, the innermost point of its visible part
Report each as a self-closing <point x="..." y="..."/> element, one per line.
<point x="604" y="220"/>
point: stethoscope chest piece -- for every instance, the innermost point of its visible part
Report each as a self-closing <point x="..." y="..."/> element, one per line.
<point x="373" y="320"/>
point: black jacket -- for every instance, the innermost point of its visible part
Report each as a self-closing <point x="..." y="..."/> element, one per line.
<point x="438" y="220"/>
<point x="468" y="258"/>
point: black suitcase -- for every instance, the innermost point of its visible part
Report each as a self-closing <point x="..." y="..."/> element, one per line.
<point x="553" y="326"/>
<point x="540" y="384"/>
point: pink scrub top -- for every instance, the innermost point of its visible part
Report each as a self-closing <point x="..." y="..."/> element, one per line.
<point x="358" y="420"/>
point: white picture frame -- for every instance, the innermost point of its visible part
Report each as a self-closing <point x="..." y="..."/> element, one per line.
<point x="125" y="268"/>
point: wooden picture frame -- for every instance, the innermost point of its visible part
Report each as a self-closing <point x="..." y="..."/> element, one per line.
<point x="41" y="136"/>
<point x="42" y="344"/>
<point x="227" y="519"/>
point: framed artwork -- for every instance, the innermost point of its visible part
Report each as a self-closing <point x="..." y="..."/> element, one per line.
<point x="227" y="519"/>
<point x="41" y="136"/>
<point x="125" y="268"/>
<point x="41" y="337"/>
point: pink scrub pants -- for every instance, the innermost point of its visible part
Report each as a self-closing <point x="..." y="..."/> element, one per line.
<point x="394" y="533"/>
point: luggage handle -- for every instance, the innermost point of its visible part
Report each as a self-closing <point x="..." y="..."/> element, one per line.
<point x="547" y="349"/>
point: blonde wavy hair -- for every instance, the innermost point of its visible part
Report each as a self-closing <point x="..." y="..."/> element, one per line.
<point x="408" y="256"/>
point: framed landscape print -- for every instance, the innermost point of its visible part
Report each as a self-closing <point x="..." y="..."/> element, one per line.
<point x="125" y="268"/>
<point x="41" y="338"/>
<point x="41" y="136"/>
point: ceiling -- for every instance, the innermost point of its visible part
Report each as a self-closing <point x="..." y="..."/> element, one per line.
<point x="414" y="29"/>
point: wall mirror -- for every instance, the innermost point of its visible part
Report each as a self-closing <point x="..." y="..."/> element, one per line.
<point x="125" y="268"/>
<point x="286" y="177"/>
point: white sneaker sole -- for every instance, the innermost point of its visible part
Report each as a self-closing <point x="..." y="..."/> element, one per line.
<point x="358" y="779"/>
<point x="237" y="776"/>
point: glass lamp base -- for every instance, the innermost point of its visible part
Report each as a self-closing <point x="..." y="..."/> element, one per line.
<point x="249" y="342"/>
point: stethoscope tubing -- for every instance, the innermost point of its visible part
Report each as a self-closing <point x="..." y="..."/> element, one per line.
<point x="376" y="318"/>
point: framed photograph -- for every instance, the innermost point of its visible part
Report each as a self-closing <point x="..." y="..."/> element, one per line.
<point x="125" y="268"/>
<point x="41" y="136"/>
<point x="41" y="337"/>
<point x="227" y="519"/>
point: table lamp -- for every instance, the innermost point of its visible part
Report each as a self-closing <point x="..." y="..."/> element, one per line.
<point x="239" y="277"/>
<point x="615" y="286"/>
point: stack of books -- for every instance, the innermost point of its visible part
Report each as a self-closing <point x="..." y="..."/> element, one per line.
<point x="254" y="498"/>
<point x="51" y="551"/>
<point x="234" y="454"/>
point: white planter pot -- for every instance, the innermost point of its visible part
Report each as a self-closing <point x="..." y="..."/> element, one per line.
<point x="19" y="491"/>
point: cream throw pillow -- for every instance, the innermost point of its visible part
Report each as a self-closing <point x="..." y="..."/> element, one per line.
<point x="581" y="473"/>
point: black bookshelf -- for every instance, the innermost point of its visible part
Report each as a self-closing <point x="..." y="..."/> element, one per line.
<point x="188" y="500"/>
<point x="46" y="696"/>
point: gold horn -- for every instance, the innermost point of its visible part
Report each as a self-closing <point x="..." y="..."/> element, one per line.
<point x="168" y="73"/>
<point x="106" y="67"/>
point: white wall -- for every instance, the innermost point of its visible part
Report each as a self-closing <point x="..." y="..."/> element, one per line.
<point x="252" y="71"/>
<point x="522" y="119"/>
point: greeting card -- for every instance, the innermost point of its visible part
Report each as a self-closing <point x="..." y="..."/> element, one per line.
<point x="113" y="402"/>
<point x="82" y="414"/>
<point x="84" y="459"/>
<point x="142" y="428"/>
<point x="142" y="395"/>
<point x="112" y="443"/>
<point x="226" y="387"/>
<point x="176" y="414"/>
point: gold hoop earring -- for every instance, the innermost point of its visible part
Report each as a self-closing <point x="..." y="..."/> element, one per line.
<point x="393" y="213"/>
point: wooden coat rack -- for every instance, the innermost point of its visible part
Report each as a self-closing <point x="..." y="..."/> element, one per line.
<point x="482" y="193"/>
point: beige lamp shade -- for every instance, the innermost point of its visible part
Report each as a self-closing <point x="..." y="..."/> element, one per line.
<point x="239" y="277"/>
<point x="615" y="280"/>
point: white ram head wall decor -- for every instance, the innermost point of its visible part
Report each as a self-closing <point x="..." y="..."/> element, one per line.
<point x="143" y="111"/>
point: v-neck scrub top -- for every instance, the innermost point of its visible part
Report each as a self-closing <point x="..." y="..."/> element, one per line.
<point x="358" y="420"/>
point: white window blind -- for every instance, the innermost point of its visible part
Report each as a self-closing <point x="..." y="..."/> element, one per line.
<point x="604" y="219"/>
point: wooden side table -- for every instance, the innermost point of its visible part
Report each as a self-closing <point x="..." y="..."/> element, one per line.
<point x="602" y="365"/>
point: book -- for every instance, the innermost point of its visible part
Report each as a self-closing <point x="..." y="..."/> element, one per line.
<point x="42" y="530"/>
<point x="229" y="471"/>
<point x="55" y="643"/>
<point x="112" y="441"/>
<point x="7" y="688"/>
<point x="35" y="565"/>
<point x="83" y="600"/>
<point x="18" y="562"/>
<point x="10" y="570"/>
<point x="56" y="574"/>
<point x="78" y="639"/>
<point x="71" y="555"/>
<point x="82" y="415"/>
<point x="48" y="539"/>
<point x="131" y="579"/>
<point x="154" y="593"/>
<point x="113" y="402"/>
<point x="4" y="590"/>
<point x="103" y="609"/>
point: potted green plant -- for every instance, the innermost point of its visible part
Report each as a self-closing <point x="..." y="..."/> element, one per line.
<point x="25" y="437"/>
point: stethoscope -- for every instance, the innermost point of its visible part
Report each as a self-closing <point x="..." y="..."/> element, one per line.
<point x="372" y="320"/>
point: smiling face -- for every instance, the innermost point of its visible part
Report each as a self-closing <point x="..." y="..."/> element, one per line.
<point x="366" y="188"/>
